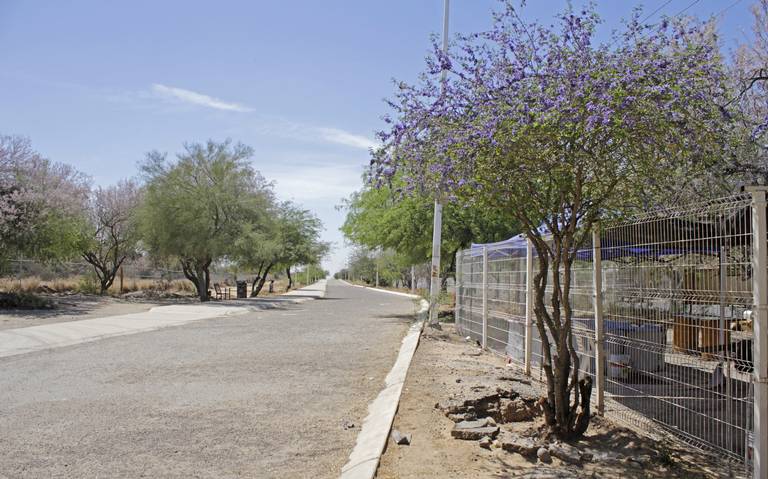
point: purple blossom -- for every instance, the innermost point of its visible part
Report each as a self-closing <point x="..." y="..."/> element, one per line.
<point x="520" y="75"/>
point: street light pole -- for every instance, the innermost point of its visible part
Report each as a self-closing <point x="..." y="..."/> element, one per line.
<point x="434" y="286"/>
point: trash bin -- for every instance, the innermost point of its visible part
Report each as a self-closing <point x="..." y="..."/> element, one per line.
<point x="242" y="289"/>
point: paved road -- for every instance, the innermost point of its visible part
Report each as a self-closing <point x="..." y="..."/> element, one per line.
<point x="263" y="394"/>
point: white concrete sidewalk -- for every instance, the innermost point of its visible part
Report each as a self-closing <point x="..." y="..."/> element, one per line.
<point x="314" y="290"/>
<point x="56" y="335"/>
<point x="47" y="336"/>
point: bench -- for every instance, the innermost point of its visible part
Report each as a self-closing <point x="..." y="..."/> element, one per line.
<point x="221" y="293"/>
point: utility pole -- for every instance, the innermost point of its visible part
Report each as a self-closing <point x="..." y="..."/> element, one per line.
<point x="437" y="226"/>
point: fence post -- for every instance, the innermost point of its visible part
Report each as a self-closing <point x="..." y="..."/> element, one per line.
<point x="457" y="290"/>
<point x="760" y="331"/>
<point x="528" y="306"/>
<point x="485" y="297"/>
<point x="597" y="298"/>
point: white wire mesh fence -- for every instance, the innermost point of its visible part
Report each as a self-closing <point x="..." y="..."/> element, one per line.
<point x="658" y="305"/>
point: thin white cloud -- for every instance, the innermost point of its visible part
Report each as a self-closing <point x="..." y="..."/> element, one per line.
<point x="283" y="128"/>
<point x="195" y="98"/>
<point x="311" y="183"/>
<point x="346" y="138"/>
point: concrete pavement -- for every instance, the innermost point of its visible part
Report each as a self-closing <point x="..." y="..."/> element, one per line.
<point x="273" y="393"/>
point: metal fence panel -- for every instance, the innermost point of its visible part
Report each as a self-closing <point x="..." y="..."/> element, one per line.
<point x="673" y="288"/>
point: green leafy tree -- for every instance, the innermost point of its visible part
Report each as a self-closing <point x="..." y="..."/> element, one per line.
<point x="289" y="237"/>
<point x="300" y="231"/>
<point x="42" y="203"/>
<point x="195" y="208"/>
<point x="361" y="265"/>
<point x="385" y="218"/>
<point x="256" y="250"/>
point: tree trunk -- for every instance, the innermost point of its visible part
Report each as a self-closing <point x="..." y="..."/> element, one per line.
<point x="566" y="407"/>
<point x="451" y="270"/>
<point x="290" y="279"/>
<point x="105" y="270"/>
<point x="199" y="275"/>
<point x="262" y="280"/>
<point x="202" y="285"/>
<point x="256" y="280"/>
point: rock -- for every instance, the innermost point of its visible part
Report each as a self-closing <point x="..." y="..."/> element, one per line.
<point x="462" y="417"/>
<point x="134" y="294"/>
<point x="543" y="455"/>
<point x="400" y="438"/>
<point x="482" y="422"/>
<point x="565" y="453"/>
<point x="475" y="433"/>
<point x="604" y="457"/>
<point x="452" y="408"/>
<point x="524" y="446"/>
<point x="485" y="442"/>
<point x="516" y="410"/>
<point x="473" y="402"/>
<point x="474" y="430"/>
<point x="349" y="425"/>
<point x="458" y="380"/>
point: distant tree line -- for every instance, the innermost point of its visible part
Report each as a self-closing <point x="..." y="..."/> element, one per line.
<point x="206" y="207"/>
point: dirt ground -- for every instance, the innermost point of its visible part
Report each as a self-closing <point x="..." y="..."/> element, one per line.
<point x="72" y="308"/>
<point x="77" y="306"/>
<point x="449" y="370"/>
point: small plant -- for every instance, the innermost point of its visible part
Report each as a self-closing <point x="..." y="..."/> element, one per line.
<point x="24" y="301"/>
<point x="88" y="285"/>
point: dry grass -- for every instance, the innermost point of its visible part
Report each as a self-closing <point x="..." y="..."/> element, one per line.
<point x="86" y="285"/>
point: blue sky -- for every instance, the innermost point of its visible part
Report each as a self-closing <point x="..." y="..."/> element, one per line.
<point x="98" y="84"/>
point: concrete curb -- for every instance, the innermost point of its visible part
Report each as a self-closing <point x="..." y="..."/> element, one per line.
<point x="14" y="342"/>
<point x="372" y="440"/>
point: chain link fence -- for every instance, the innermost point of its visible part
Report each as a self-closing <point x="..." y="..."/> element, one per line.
<point x="659" y="302"/>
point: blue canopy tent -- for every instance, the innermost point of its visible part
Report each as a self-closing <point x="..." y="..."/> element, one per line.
<point x="665" y="236"/>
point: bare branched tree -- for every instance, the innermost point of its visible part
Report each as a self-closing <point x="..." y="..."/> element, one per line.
<point x="114" y="230"/>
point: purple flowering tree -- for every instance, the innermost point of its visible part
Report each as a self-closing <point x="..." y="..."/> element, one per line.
<point x="41" y="203"/>
<point x="560" y="131"/>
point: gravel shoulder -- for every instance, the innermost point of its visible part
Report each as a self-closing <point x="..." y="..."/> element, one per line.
<point x="448" y="371"/>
